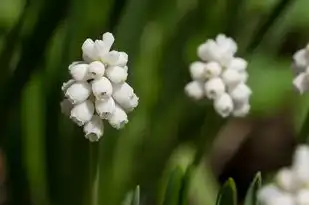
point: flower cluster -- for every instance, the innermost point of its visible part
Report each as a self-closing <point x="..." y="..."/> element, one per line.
<point x="98" y="90"/>
<point x="220" y="77"/>
<point x="301" y="69"/>
<point x="291" y="186"/>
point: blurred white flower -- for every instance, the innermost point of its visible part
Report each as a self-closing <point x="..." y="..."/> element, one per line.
<point x="300" y="67"/>
<point x="98" y="90"/>
<point x="214" y="88"/>
<point x="118" y="119"/>
<point x="195" y="90"/>
<point x="291" y="184"/>
<point x="222" y="74"/>
<point x="94" y="129"/>
<point x="224" y="105"/>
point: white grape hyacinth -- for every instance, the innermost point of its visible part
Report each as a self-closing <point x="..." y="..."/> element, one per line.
<point x="301" y="70"/>
<point x="291" y="184"/>
<point x="221" y="77"/>
<point x="97" y="89"/>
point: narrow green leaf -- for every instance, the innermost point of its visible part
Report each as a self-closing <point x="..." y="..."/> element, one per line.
<point x="172" y="193"/>
<point x="227" y="194"/>
<point x="184" y="195"/>
<point x="128" y="198"/>
<point x="251" y="198"/>
<point x="136" y="197"/>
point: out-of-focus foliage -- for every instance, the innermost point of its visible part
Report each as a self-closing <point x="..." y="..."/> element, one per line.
<point x="48" y="159"/>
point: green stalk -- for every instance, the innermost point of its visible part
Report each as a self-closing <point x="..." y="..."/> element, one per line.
<point x="92" y="197"/>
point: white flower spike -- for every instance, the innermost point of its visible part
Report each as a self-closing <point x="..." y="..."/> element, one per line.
<point x="223" y="77"/>
<point x="98" y="90"/>
<point x="291" y="184"/>
<point x="300" y="67"/>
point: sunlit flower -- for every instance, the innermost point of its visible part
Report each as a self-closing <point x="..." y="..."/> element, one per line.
<point x="98" y="90"/>
<point x="221" y="77"/>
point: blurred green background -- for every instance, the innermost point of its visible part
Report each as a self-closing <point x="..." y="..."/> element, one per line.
<point x="45" y="157"/>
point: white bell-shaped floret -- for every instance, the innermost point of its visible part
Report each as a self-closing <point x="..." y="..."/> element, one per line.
<point x="116" y="74"/>
<point x="89" y="53"/>
<point x="105" y="108"/>
<point x="231" y="77"/>
<point x="301" y="164"/>
<point x="125" y="97"/>
<point x="212" y="69"/>
<point x="118" y="119"/>
<point x="285" y="179"/>
<point x="301" y="82"/>
<point x="102" y="88"/>
<point x="214" y="88"/>
<point x="94" y="129"/>
<point x="123" y="59"/>
<point x="79" y="72"/>
<point x="111" y="58"/>
<point x="209" y="51"/>
<point x="108" y="40"/>
<point x="240" y="93"/>
<point x="197" y="71"/>
<point x="82" y="113"/>
<point x="238" y="64"/>
<point x="78" y="92"/>
<point x="96" y="69"/>
<point x="224" y="105"/>
<point x="302" y="197"/>
<point x="301" y="58"/>
<point x="195" y="90"/>
<point x="226" y="44"/>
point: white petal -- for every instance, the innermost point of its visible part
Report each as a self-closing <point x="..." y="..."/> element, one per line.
<point x="238" y="64"/>
<point x="301" y="164"/>
<point x="78" y="92"/>
<point x="302" y="197"/>
<point x="240" y="93"/>
<point x="123" y="59"/>
<point x="67" y="84"/>
<point x="88" y="50"/>
<point x="267" y="193"/>
<point x="118" y="119"/>
<point x="243" y="76"/>
<point x="224" y="105"/>
<point x="102" y="88"/>
<point x="82" y="113"/>
<point x="231" y="77"/>
<point x="212" y="69"/>
<point x="79" y="71"/>
<point x="96" y="69"/>
<point x="241" y="110"/>
<point x="125" y="97"/>
<point x="209" y="51"/>
<point x="226" y="44"/>
<point x="116" y="74"/>
<point x="94" y="129"/>
<point x="214" y="88"/>
<point x="301" y="58"/>
<point x="110" y="58"/>
<point x="66" y="107"/>
<point x="105" y="108"/>
<point x="285" y="179"/>
<point x="301" y="82"/>
<point x="197" y="71"/>
<point x="108" y="40"/>
<point x="195" y="90"/>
